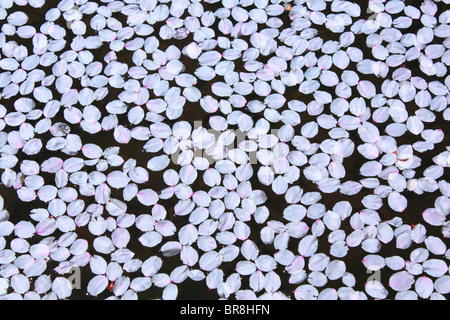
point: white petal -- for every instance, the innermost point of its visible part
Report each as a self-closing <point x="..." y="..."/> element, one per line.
<point x="97" y="285"/>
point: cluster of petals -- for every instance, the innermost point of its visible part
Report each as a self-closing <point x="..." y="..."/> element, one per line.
<point x="273" y="79"/>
